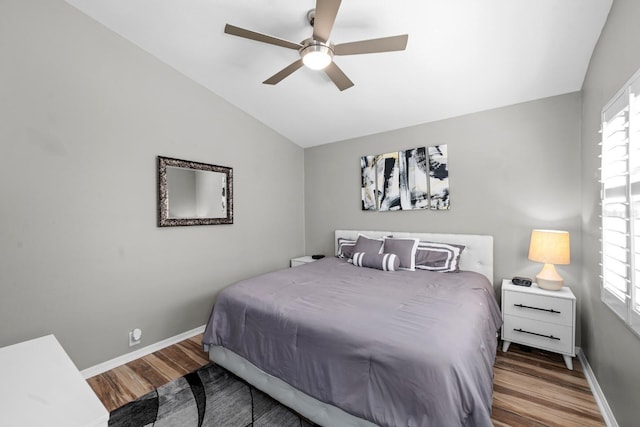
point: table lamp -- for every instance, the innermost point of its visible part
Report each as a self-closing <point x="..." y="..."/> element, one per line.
<point x="549" y="247"/>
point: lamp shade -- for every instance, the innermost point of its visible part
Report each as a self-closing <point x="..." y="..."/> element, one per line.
<point x="550" y="247"/>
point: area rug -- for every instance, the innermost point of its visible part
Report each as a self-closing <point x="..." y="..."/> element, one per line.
<point x="210" y="396"/>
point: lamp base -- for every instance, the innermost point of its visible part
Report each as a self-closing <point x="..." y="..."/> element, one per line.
<point x="549" y="279"/>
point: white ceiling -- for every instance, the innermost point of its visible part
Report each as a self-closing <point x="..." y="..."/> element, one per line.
<point x="463" y="56"/>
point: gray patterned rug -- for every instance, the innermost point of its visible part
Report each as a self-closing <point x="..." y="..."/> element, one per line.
<point x="210" y="396"/>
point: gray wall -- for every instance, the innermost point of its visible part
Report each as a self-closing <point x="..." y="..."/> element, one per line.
<point x="83" y="115"/>
<point x="511" y="170"/>
<point x="612" y="349"/>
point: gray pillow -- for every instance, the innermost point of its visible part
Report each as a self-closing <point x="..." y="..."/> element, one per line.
<point x="345" y="247"/>
<point x="386" y="262"/>
<point x="365" y="244"/>
<point x="444" y="257"/>
<point x="404" y="248"/>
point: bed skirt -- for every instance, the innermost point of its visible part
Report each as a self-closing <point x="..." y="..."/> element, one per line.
<point x="314" y="410"/>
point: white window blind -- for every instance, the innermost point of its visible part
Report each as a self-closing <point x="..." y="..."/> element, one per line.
<point x="620" y="201"/>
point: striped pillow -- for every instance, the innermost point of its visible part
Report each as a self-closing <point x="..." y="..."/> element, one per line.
<point x="386" y="262"/>
<point x="345" y="247"/>
<point x="444" y="257"/>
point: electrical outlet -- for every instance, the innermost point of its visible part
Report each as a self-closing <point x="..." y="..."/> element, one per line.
<point x="135" y="336"/>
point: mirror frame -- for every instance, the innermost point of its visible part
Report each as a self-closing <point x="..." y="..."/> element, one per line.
<point x="163" y="197"/>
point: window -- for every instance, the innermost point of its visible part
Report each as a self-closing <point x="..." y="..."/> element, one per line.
<point x="620" y="201"/>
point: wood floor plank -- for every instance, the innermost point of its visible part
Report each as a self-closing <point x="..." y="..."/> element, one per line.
<point x="540" y="388"/>
<point x="542" y="412"/>
<point x="195" y="346"/>
<point x="194" y="353"/>
<point x="159" y="364"/>
<point x="549" y="371"/>
<point x="173" y="356"/>
<point x="104" y="390"/>
<point x="128" y="379"/>
<point x="543" y="399"/>
<point x="502" y="417"/>
<point x="196" y="340"/>
<point x="144" y="369"/>
<point x="110" y="391"/>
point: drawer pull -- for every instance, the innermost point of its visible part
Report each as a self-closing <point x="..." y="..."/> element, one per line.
<point x="534" y="333"/>
<point x="550" y="310"/>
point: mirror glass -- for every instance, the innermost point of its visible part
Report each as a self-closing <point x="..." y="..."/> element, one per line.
<point x="193" y="193"/>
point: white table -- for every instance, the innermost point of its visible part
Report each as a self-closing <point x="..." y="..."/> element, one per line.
<point x="40" y="386"/>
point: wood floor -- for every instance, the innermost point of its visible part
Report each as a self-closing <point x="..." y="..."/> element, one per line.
<point x="128" y="382"/>
<point x="535" y="388"/>
<point x="530" y="388"/>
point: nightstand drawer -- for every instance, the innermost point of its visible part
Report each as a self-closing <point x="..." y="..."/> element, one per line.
<point x="548" y="336"/>
<point x="539" y="307"/>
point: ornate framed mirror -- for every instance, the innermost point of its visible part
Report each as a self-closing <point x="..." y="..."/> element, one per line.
<point x="193" y="193"/>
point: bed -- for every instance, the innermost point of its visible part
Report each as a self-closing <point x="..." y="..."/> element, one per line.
<point x="352" y="346"/>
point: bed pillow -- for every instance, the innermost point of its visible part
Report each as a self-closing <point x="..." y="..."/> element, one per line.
<point x="386" y="262"/>
<point x="345" y="247"/>
<point x="404" y="248"/>
<point x="367" y="245"/>
<point x="444" y="257"/>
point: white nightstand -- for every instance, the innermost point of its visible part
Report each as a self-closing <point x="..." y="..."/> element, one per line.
<point x="295" y="262"/>
<point x="539" y="318"/>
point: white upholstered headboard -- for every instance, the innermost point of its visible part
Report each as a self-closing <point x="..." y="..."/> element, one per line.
<point x="477" y="255"/>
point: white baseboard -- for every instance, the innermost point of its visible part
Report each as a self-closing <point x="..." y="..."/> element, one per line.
<point x="126" y="358"/>
<point x="598" y="395"/>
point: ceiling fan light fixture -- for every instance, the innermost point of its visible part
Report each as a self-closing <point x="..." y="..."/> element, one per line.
<point x="317" y="51"/>
<point x="316" y="56"/>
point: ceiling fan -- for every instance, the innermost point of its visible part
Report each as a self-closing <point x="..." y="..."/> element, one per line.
<point x="317" y="52"/>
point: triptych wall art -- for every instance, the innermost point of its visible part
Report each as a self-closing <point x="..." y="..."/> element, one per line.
<point x="417" y="178"/>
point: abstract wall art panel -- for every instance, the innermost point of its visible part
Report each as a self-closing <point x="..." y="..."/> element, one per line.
<point x="388" y="181"/>
<point x="414" y="190"/>
<point x="368" y="169"/>
<point x="439" y="177"/>
<point x="417" y="178"/>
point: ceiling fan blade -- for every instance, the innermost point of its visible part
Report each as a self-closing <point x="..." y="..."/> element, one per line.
<point x="248" y="34"/>
<point x="326" y="11"/>
<point x="338" y="77"/>
<point x="385" y="44"/>
<point x="285" y="72"/>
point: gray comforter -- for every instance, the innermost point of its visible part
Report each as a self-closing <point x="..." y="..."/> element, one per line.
<point x="396" y="348"/>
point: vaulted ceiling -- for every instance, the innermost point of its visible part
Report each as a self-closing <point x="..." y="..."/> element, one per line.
<point x="462" y="56"/>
